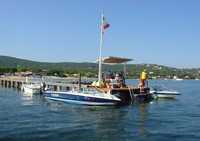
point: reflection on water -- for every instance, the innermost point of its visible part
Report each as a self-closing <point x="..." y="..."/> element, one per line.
<point x="27" y="99"/>
<point x="30" y="99"/>
<point x="32" y="117"/>
<point x="143" y="116"/>
<point x="54" y="105"/>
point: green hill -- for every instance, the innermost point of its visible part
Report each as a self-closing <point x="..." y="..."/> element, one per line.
<point x="12" y="64"/>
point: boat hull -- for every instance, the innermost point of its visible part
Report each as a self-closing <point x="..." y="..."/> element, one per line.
<point x="164" y="96"/>
<point x="31" y="90"/>
<point x="134" y="95"/>
<point x="79" y="99"/>
<point x="165" y="92"/>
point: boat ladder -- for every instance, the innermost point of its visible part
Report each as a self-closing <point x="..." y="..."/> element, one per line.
<point x="131" y="94"/>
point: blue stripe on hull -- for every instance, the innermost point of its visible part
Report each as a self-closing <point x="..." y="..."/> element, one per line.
<point x="86" y="100"/>
<point x="82" y="102"/>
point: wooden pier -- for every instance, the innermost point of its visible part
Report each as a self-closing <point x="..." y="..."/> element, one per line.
<point x="56" y="84"/>
<point x="11" y="82"/>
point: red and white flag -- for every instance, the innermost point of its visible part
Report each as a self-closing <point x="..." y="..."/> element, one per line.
<point x="105" y="24"/>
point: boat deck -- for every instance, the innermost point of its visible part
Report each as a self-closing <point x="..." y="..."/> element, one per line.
<point x="125" y="90"/>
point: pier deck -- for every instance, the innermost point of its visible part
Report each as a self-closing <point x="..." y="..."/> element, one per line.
<point x="55" y="83"/>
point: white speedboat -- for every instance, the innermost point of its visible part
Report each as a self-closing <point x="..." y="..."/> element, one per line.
<point x="85" y="97"/>
<point x="32" y="88"/>
<point x="159" y="93"/>
<point x="165" y="94"/>
<point x="178" y="79"/>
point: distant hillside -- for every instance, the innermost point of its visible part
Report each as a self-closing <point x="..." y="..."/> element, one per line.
<point x="12" y="62"/>
<point x="158" y="71"/>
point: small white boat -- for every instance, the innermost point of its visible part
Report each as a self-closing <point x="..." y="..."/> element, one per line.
<point x="165" y="94"/>
<point x="178" y="79"/>
<point x="159" y="93"/>
<point x="84" y="97"/>
<point x="32" y="88"/>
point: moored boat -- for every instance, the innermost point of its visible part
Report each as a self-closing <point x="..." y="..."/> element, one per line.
<point x="32" y="88"/>
<point x="115" y="84"/>
<point x="129" y="95"/>
<point x="108" y="91"/>
<point x="167" y="96"/>
<point x="165" y="92"/>
<point x="159" y="93"/>
<point x="84" y="97"/>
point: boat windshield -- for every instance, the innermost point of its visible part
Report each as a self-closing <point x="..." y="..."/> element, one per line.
<point x="89" y="90"/>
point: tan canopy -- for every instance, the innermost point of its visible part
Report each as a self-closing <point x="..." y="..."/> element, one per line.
<point x="115" y="60"/>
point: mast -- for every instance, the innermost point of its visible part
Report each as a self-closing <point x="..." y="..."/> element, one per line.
<point x="100" y="50"/>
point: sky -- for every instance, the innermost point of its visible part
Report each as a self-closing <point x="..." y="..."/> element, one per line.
<point x="165" y="32"/>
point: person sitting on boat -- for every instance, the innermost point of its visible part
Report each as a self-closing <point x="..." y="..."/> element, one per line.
<point x="117" y="77"/>
<point x="113" y="83"/>
<point x="98" y="84"/>
<point x="120" y="80"/>
<point x="43" y="85"/>
<point x="123" y="78"/>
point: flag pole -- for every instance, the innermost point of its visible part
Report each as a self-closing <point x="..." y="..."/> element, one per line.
<point x="100" y="51"/>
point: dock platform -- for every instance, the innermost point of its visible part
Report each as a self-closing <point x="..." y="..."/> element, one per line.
<point x="55" y="83"/>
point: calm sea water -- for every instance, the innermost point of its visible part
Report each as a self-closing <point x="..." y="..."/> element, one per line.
<point x="23" y="117"/>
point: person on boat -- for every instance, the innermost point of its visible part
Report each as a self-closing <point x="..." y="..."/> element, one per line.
<point x="123" y="79"/>
<point x="43" y="86"/>
<point x="99" y="84"/>
<point x="113" y="83"/>
<point x="120" y="80"/>
<point x="117" y="77"/>
<point x="143" y="80"/>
